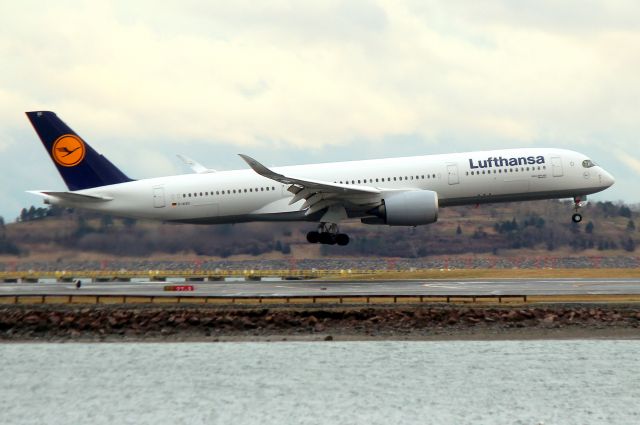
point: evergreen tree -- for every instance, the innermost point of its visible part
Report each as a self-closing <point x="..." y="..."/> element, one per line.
<point x="106" y="221"/>
<point x="589" y="228"/>
<point x="629" y="245"/>
<point x="624" y="211"/>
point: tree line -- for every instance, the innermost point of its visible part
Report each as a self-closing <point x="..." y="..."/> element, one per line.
<point x="542" y="225"/>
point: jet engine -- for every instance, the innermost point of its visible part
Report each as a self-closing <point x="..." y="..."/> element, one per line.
<point x="406" y="208"/>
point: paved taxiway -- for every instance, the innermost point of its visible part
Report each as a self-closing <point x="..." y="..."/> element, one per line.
<point x="480" y="287"/>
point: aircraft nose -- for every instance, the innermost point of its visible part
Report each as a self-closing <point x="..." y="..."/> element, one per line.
<point x="606" y="178"/>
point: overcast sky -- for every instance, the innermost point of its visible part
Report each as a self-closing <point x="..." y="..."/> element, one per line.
<point x="294" y="82"/>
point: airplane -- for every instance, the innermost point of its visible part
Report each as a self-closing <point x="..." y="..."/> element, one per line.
<point x="405" y="191"/>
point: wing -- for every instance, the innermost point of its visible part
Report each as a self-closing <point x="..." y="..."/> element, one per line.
<point x="317" y="194"/>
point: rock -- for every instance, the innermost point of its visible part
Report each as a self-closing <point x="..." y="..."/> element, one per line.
<point x="31" y="319"/>
<point x="550" y="318"/>
<point x="527" y="314"/>
<point x="326" y="338"/>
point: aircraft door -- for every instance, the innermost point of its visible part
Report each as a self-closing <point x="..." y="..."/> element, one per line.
<point x="556" y="165"/>
<point x="158" y="197"/>
<point x="452" y="172"/>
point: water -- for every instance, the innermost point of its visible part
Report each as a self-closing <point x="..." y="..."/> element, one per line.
<point x="460" y="382"/>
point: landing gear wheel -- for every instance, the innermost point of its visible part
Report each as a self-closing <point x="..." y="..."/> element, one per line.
<point x="328" y="234"/>
<point x="342" y="239"/>
<point x="577" y="218"/>
<point x="313" y="237"/>
<point x="327" y="238"/>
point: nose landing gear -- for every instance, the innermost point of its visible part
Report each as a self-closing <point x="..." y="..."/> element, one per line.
<point x="577" y="204"/>
<point x="328" y="234"/>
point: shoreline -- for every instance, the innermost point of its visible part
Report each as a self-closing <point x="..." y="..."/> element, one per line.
<point x="431" y="322"/>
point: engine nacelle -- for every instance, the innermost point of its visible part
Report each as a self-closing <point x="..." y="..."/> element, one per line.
<point x="406" y="208"/>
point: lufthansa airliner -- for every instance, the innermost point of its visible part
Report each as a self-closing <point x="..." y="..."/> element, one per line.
<point x="394" y="191"/>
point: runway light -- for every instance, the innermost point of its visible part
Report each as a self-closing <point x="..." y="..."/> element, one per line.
<point x="179" y="288"/>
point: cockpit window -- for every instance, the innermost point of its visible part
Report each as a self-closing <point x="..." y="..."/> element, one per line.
<point x="587" y="163"/>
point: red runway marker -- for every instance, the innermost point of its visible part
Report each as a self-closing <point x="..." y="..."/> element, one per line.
<point x="179" y="288"/>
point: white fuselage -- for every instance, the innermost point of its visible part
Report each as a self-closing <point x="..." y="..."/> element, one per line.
<point x="458" y="179"/>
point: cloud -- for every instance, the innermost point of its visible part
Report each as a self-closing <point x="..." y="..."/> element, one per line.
<point x="317" y="75"/>
<point x="627" y="159"/>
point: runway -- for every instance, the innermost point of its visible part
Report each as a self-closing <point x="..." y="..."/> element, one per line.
<point x="315" y="288"/>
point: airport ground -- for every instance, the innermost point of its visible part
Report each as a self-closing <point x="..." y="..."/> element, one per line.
<point x="415" y="305"/>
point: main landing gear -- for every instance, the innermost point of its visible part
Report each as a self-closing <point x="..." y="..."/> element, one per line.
<point x="328" y="234"/>
<point x="577" y="204"/>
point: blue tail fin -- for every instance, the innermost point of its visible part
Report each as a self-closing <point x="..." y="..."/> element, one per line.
<point x="80" y="166"/>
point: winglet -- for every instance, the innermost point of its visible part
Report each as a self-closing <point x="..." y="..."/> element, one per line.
<point x="194" y="165"/>
<point x="264" y="171"/>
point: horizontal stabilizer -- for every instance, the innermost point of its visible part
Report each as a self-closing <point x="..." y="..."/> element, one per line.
<point x="71" y="196"/>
